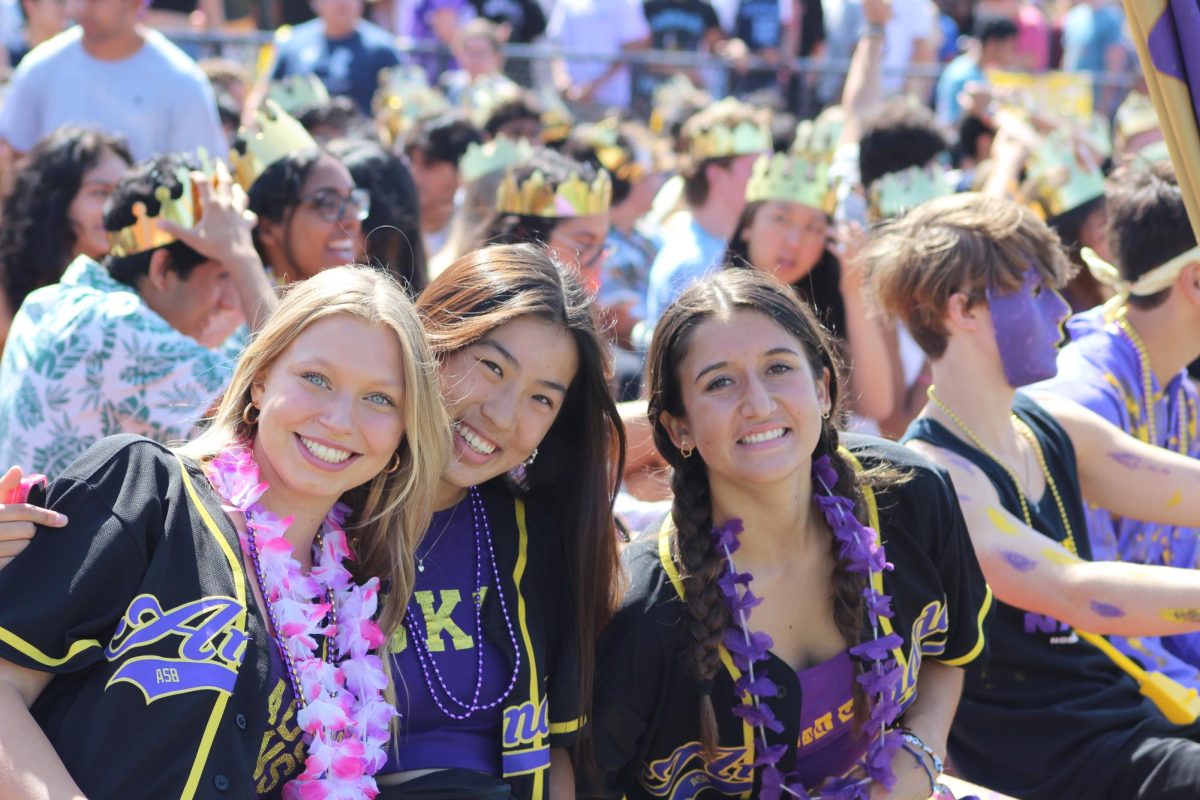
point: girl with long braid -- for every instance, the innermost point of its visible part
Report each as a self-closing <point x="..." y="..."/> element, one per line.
<point x="772" y="643"/>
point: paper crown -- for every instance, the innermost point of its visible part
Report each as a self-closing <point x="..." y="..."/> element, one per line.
<point x="819" y="137"/>
<point x="481" y="99"/>
<point x="672" y="97"/>
<point x="296" y="93"/>
<point x="537" y="197"/>
<point x="1063" y="174"/>
<point x="276" y="134"/>
<point x="482" y="159"/>
<point x="748" y="137"/>
<point x="627" y="162"/>
<point x="181" y="206"/>
<point x="557" y="119"/>
<point x="404" y="96"/>
<point x="792" y="179"/>
<point x="1135" y="115"/>
<point x="897" y="192"/>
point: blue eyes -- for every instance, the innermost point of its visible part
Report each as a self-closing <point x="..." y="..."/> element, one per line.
<point x="321" y="382"/>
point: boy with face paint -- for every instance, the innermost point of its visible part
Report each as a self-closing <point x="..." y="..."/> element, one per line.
<point x="1126" y="362"/>
<point x="974" y="280"/>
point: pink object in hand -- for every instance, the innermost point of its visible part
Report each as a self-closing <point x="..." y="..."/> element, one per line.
<point x="21" y="493"/>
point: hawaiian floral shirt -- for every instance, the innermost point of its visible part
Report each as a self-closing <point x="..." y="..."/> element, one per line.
<point x="87" y="358"/>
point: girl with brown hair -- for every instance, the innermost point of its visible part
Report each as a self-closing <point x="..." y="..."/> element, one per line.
<point x="858" y="630"/>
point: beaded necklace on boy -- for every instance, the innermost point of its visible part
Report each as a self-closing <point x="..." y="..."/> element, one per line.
<point x="1028" y="434"/>
<point x="1122" y="322"/>
<point x="483" y="536"/>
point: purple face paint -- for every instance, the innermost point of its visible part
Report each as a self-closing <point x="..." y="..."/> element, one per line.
<point x="1105" y="610"/>
<point x="1019" y="562"/>
<point x="1028" y="329"/>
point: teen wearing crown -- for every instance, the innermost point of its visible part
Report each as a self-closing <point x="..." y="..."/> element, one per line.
<point x="776" y="640"/>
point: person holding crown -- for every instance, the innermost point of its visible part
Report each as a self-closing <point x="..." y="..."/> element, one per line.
<point x="113" y="347"/>
<point x="798" y="625"/>
<point x="1057" y="711"/>
<point x="784" y="230"/>
<point x="721" y="145"/>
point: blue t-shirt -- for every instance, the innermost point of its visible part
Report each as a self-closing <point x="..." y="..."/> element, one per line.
<point x="1087" y="34"/>
<point x="957" y="74"/>
<point x="689" y="253"/>
<point x="349" y="66"/>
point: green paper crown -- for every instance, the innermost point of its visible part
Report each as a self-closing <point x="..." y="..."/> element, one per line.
<point x="296" y="93"/>
<point x="748" y="137"/>
<point x="792" y="179"/>
<point x="403" y="96"/>
<point x="276" y="134"/>
<point x="897" y="192"/>
<point x="819" y="137"/>
<point x="482" y="159"/>
<point x="1063" y="175"/>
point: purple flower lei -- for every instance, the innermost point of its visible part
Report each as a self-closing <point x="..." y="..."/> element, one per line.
<point x="860" y="549"/>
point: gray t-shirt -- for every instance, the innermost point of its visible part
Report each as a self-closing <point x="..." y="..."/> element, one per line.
<point x="157" y="99"/>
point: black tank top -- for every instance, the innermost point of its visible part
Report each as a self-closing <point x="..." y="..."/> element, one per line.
<point x="1045" y="716"/>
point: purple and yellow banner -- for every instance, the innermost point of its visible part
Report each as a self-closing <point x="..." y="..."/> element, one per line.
<point x="1167" y="35"/>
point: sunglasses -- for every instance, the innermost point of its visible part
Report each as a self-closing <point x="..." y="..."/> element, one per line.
<point x="332" y="206"/>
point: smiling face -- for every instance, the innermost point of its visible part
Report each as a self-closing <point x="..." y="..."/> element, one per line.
<point x="786" y="239"/>
<point x="331" y="416"/>
<point x="307" y="240"/>
<point x="504" y="392"/>
<point x="86" y="211"/>
<point x="1028" y="327"/>
<point x="752" y="406"/>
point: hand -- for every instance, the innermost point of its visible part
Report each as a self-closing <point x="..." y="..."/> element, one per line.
<point x="18" y="520"/>
<point x="912" y="782"/>
<point x="225" y="231"/>
<point x="847" y="241"/>
<point x="877" y="12"/>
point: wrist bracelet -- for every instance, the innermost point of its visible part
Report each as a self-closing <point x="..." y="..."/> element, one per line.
<point x="875" y="30"/>
<point x="917" y="742"/>
<point x="920" y="757"/>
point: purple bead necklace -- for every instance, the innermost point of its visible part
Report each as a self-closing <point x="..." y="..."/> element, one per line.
<point x="483" y="536"/>
<point x="288" y="662"/>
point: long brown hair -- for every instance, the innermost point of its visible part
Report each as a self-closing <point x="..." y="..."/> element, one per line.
<point x="581" y="458"/>
<point x="699" y="562"/>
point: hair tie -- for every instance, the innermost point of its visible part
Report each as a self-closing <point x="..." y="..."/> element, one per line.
<point x="704" y="687"/>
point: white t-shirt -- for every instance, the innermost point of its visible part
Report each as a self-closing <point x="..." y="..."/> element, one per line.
<point x="911" y="20"/>
<point x="598" y="26"/>
<point x="157" y="99"/>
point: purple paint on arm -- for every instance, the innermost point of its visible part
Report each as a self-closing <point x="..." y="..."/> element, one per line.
<point x="1130" y="461"/>
<point x="1019" y="562"/>
<point x="1106" y="610"/>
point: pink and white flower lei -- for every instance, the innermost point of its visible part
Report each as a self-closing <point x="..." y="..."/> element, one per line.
<point x="344" y="713"/>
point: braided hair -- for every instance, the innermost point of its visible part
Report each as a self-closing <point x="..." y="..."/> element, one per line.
<point x="697" y="557"/>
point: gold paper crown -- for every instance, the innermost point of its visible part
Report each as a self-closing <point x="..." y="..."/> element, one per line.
<point x="897" y="192"/>
<point x="276" y="134"/>
<point x="485" y="95"/>
<point x="792" y="179"/>
<point x="627" y="163"/>
<point x="557" y="119"/>
<point x="672" y="96"/>
<point x="296" y="93"/>
<point x="1063" y="175"/>
<point x="403" y="96"/>
<point x="748" y="137"/>
<point x="482" y="159"/>
<point x="536" y="197"/>
<point x="181" y="206"/>
<point x="819" y="137"/>
<point x="1135" y="115"/>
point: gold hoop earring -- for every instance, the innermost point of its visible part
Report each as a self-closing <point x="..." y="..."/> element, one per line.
<point x="687" y="450"/>
<point x="250" y="414"/>
<point x="394" y="464"/>
<point x="825" y="413"/>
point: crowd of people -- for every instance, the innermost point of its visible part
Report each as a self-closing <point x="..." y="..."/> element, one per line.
<point x="418" y="424"/>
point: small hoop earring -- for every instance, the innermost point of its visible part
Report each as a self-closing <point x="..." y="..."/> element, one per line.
<point x="394" y="464"/>
<point x="825" y="413"/>
<point x="687" y="450"/>
<point x="250" y="414"/>
<point x="529" y="461"/>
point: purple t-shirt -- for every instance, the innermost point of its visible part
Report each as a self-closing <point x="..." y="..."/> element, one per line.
<point x="443" y="601"/>
<point x="827" y="745"/>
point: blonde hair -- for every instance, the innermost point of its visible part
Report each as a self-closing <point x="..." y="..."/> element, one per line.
<point x="391" y="513"/>
<point x="959" y="243"/>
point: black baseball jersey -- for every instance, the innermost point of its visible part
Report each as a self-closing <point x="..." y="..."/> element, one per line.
<point x="139" y="608"/>
<point x="647" y="719"/>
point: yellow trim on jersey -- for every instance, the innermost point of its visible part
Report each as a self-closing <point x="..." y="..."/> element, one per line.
<point x="559" y="728"/>
<point x="239" y="622"/>
<point x="664" y="556"/>
<point x="27" y="649"/>
<point x="519" y="572"/>
<point x="984" y="607"/>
